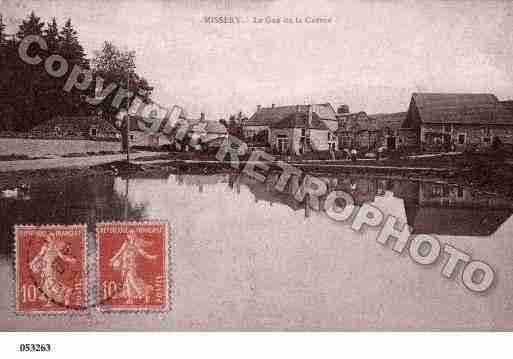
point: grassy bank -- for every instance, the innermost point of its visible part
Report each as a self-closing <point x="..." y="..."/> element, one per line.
<point x="489" y="172"/>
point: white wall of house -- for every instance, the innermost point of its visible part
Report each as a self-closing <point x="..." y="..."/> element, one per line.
<point x="41" y="147"/>
<point x="318" y="139"/>
<point x="139" y="138"/>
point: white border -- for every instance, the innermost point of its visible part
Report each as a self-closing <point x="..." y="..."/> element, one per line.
<point x="263" y="345"/>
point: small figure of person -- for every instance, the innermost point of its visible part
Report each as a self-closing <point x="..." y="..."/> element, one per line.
<point x="44" y="265"/>
<point x="353" y="154"/>
<point x="125" y="260"/>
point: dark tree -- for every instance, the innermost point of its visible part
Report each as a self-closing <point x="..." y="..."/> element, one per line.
<point x="70" y="47"/>
<point x="2" y="31"/>
<point x="28" y="94"/>
<point x="51" y="36"/>
<point x="31" y="26"/>
<point x="117" y="67"/>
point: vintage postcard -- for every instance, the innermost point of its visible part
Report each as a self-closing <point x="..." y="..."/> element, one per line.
<point x="51" y="269"/>
<point x="132" y="266"/>
<point x="256" y="165"/>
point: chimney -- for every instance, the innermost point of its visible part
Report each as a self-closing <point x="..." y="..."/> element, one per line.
<point x="259" y="107"/>
<point x="298" y="108"/>
<point x="310" y="115"/>
<point x="272" y="105"/>
<point x="202" y="117"/>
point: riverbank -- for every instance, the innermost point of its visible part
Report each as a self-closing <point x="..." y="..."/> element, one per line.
<point x="486" y="172"/>
<point x="490" y="172"/>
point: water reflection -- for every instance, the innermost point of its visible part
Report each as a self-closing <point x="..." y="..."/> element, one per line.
<point x="67" y="201"/>
<point x="427" y="207"/>
<point x="246" y="256"/>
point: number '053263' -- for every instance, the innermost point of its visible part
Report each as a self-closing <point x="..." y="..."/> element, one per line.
<point x="35" y="347"/>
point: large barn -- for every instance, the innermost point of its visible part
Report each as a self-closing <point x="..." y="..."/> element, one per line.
<point x="454" y="121"/>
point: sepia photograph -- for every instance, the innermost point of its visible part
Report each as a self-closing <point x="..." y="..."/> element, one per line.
<point x="245" y="165"/>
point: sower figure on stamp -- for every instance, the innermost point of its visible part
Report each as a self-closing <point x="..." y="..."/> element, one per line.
<point x="44" y="264"/>
<point x="125" y="261"/>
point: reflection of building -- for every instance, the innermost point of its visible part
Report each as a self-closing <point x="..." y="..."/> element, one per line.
<point x="427" y="208"/>
<point x="201" y="181"/>
<point x="456" y="210"/>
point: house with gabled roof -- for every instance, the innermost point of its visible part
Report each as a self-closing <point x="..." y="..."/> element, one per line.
<point x="456" y="121"/>
<point x="302" y="132"/>
<point x="357" y="130"/>
<point x="76" y="127"/>
<point x="257" y="127"/>
<point x="508" y="105"/>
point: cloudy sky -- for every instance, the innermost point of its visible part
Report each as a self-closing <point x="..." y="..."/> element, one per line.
<point x="371" y="56"/>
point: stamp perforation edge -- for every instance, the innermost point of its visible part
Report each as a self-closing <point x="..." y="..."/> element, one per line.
<point x="85" y="273"/>
<point x="167" y="269"/>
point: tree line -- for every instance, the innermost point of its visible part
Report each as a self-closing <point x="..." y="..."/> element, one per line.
<point x="30" y="96"/>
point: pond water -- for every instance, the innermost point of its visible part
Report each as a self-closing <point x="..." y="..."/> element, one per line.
<point x="245" y="256"/>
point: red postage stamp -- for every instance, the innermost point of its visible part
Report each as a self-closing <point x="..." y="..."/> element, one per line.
<point x="51" y="269"/>
<point x="132" y="266"/>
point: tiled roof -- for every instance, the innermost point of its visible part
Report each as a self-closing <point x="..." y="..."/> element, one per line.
<point x="508" y="105"/>
<point x="79" y="125"/>
<point x="461" y="108"/>
<point x="267" y="116"/>
<point x="299" y="120"/>
<point x="354" y="122"/>
<point x="390" y="120"/>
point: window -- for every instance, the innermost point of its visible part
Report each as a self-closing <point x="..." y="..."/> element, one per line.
<point x="486" y="135"/>
<point x="460" y="192"/>
<point x="132" y="137"/>
<point x="93" y="131"/>
<point x="57" y="131"/>
<point x="462" y="138"/>
<point x="282" y="143"/>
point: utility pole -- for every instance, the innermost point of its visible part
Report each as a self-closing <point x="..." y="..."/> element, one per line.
<point x="128" y="124"/>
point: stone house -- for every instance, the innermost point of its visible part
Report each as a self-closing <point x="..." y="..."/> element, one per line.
<point x="302" y="132"/>
<point x="256" y="129"/>
<point x="357" y="130"/>
<point x="76" y="127"/>
<point x="67" y="134"/>
<point x="201" y="132"/>
<point x="451" y="121"/>
<point x="139" y="134"/>
<point x="391" y="135"/>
